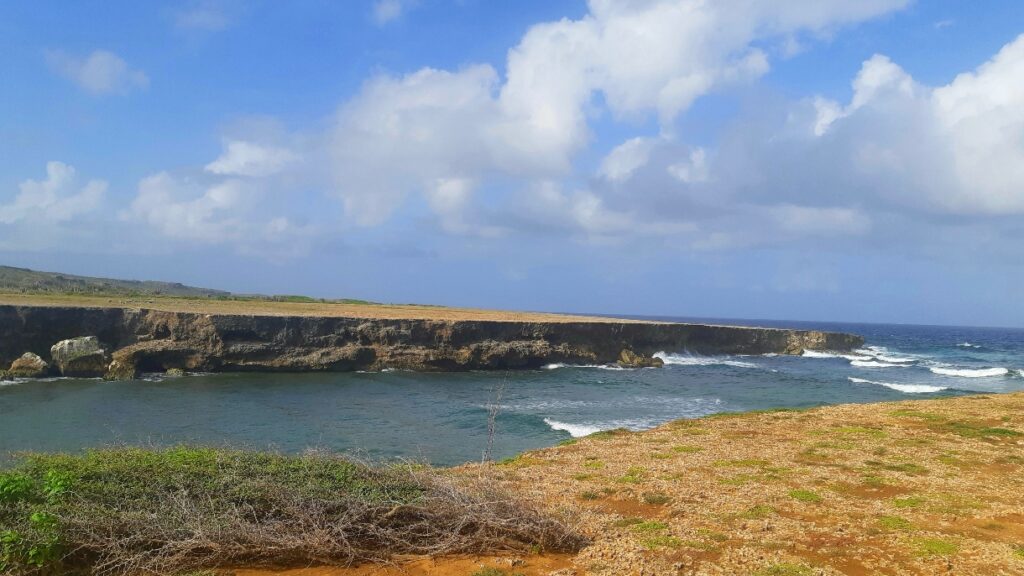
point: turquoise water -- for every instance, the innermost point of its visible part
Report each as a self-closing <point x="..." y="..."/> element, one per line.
<point x="442" y="418"/>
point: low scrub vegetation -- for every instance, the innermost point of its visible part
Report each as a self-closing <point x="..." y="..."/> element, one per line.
<point x="133" y="511"/>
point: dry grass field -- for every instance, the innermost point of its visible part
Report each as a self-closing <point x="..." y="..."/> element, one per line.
<point x="921" y="487"/>
<point x="257" y="307"/>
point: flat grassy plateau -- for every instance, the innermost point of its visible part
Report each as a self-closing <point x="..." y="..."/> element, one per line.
<point x="291" y="306"/>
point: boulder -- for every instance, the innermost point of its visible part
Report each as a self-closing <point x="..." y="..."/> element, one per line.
<point x="630" y="359"/>
<point x="80" y="357"/>
<point x="119" y="369"/>
<point x="28" y="366"/>
<point x="174" y="373"/>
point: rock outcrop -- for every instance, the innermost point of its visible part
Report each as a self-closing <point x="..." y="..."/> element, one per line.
<point x="28" y="365"/>
<point x="80" y="357"/>
<point x="630" y="359"/>
<point x="158" y="341"/>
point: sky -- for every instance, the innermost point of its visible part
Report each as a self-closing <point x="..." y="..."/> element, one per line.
<point x="858" y="160"/>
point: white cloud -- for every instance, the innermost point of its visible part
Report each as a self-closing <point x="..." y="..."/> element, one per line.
<point x="101" y="72"/>
<point x="187" y="210"/>
<point x="385" y="11"/>
<point x="692" y="170"/>
<point x="957" y="148"/>
<point x="243" y="158"/>
<point x="625" y="159"/>
<point x="205" y="15"/>
<point x="402" y="134"/>
<point x="58" y="198"/>
<point x="228" y="211"/>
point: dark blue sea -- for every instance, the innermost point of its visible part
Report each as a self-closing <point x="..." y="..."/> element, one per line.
<point x="442" y="418"/>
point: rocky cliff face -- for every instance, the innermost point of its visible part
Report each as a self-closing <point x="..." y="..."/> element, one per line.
<point x="151" y="341"/>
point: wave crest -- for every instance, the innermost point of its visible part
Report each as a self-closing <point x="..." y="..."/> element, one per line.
<point x="872" y="363"/>
<point x="970" y="372"/>
<point x="905" y="388"/>
<point x="574" y="430"/>
<point x="693" y="360"/>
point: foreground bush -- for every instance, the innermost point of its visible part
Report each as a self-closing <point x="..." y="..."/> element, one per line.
<point x="167" y="511"/>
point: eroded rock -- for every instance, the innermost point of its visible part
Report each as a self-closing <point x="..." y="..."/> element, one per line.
<point x="29" y="365"/>
<point x="153" y="341"/>
<point x="80" y="357"/>
<point x="630" y="359"/>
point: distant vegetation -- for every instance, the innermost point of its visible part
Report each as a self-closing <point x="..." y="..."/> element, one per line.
<point x="25" y="281"/>
<point x="137" y="511"/>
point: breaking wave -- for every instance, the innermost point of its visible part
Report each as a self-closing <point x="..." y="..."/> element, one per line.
<point x="820" y="354"/>
<point x="905" y="388"/>
<point x="970" y="372"/>
<point x="558" y="365"/>
<point x="872" y="363"/>
<point x="693" y="360"/>
<point x="576" y="430"/>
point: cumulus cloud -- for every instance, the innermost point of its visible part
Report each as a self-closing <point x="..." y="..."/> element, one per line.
<point x="401" y="134"/>
<point x="243" y="158"/>
<point x="188" y="210"/>
<point x="228" y="211"/>
<point x="101" y="72"/>
<point x="58" y="198"/>
<point x="923" y="160"/>
<point x="48" y="213"/>
<point x="897" y="145"/>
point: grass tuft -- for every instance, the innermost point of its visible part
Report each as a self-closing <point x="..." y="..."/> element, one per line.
<point x="785" y="569"/>
<point x="895" y="523"/>
<point x="935" y="547"/>
<point x="804" y="496"/>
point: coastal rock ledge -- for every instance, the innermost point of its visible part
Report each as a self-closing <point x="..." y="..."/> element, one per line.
<point x="143" y="340"/>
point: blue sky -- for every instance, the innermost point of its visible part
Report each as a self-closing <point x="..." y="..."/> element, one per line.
<point x="822" y="160"/>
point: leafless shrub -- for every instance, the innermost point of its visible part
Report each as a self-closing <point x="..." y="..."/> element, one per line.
<point x="271" y="523"/>
<point x="493" y="409"/>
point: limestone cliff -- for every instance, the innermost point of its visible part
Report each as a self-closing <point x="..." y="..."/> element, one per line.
<point x="143" y="340"/>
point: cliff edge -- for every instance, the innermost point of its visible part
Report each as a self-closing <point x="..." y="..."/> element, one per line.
<point x="150" y="340"/>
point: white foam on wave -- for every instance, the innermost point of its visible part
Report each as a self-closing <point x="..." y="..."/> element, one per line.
<point x="970" y="372"/>
<point x="558" y="365"/>
<point x="876" y="364"/>
<point x="905" y="388"/>
<point x="693" y="360"/>
<point x="575" y="430"/>
<point x="820" y="354"/>
<point x="883" y="354"/>
<point x="968" y="345"/>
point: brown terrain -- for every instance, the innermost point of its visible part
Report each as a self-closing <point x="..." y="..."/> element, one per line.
<point x="918" y="487"/>
<point x="308" y="309"/>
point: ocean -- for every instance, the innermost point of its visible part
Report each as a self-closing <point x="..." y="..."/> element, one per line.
<point x="442" y="418"/>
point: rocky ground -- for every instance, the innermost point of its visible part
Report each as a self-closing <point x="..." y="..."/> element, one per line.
<point x="922" y="487"/>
